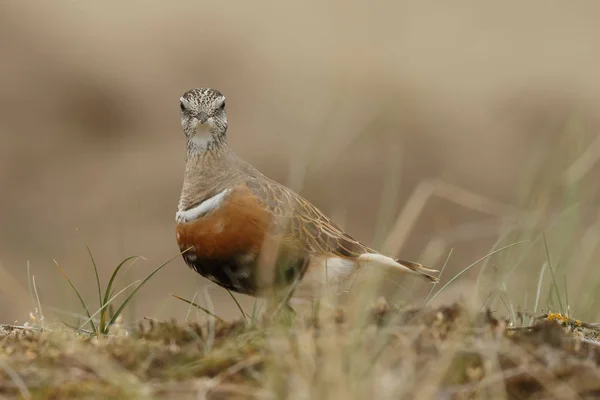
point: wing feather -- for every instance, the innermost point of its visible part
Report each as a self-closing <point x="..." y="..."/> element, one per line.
<point x="300" y="222"/>
<point x="307" y="229"/>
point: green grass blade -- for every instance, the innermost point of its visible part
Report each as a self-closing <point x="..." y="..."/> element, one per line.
<point x="37" y="297"/>
<point x="567" y="310"/>
<point x="199" y="307"/>
<point x="237" y="303"/>
<point x="187" y="314"/>
<point x="104" y="306"/>
<point x="95" y="268"/>
<point x="127" y="267"/>
<point x="508" y="309"/>
<point x="254" y="312"/>
<point x="539" y="289"/>
<point x="29" y="285"/>
<point x="552" y="274"/>
<point x="439" y="276"/>
<point x="64" y="274"/>
<point x="108" y="291"/>
<point x="75" y="329"/>
<point x="473" y="264"/>
<point x="486" y="301"/>
<point x="256" y="307"/>
<point x="128" y="299"/>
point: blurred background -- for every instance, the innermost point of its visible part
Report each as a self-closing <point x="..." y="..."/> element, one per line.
<point x="419" y="126"/>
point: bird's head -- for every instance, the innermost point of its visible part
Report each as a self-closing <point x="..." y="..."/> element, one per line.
<point x="203" y="118"/>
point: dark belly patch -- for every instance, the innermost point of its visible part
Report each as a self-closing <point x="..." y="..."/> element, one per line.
<point x="239" y="273"/>
<point x="229" y="273"/>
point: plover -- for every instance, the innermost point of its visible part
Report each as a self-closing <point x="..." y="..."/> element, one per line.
<point x="250" y="234"/>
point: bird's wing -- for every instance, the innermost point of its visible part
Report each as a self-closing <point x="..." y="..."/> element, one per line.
<point x="303" y="224"/>
<point x="305" y="227"/>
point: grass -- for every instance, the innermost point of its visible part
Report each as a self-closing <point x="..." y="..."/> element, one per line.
<point x="512" y="333"/>
<point x="364" y="349"/>
<point x="392" y="353"/>
<point x="106" y="321"/>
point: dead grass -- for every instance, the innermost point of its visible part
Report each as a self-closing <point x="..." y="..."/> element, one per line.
<point x="462" y="350"/>
<point x="445" y="352"/>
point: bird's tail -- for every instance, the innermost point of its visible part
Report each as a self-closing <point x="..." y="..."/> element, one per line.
<point x="379" y="260"/>
<point x="420" y="269"/>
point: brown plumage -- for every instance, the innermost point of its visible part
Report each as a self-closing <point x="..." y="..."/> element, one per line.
<point x="249" y="233"/>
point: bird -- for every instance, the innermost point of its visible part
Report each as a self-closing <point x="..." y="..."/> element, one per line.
<point x="252" y="235"/>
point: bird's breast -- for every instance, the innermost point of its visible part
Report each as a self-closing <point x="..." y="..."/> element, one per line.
<point x="227" y="244"/>
<point x="237" y="226"/>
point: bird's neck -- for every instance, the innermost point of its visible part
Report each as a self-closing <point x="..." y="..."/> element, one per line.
<point x="207" y="172"/>
<point x="205" y="142"/>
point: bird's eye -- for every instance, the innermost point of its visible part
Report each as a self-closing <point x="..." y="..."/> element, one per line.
<point x="222" y="107"/>
<point x="182" y="106"/>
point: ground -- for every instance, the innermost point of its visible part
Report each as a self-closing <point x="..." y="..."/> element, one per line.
<point x="446" y="352"/>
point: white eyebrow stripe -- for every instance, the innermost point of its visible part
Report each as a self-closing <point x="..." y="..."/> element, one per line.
<point x="205" y="207"/>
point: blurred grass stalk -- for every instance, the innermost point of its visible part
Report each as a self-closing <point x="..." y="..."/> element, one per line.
<point x="554" y="240"/>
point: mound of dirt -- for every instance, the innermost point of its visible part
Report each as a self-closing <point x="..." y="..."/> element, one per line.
<point x="449" y="352"/>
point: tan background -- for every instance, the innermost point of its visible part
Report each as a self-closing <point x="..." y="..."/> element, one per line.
<point x="352" y="103"/>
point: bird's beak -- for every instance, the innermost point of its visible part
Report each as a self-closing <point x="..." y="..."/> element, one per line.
<point x="202" y="117"/>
